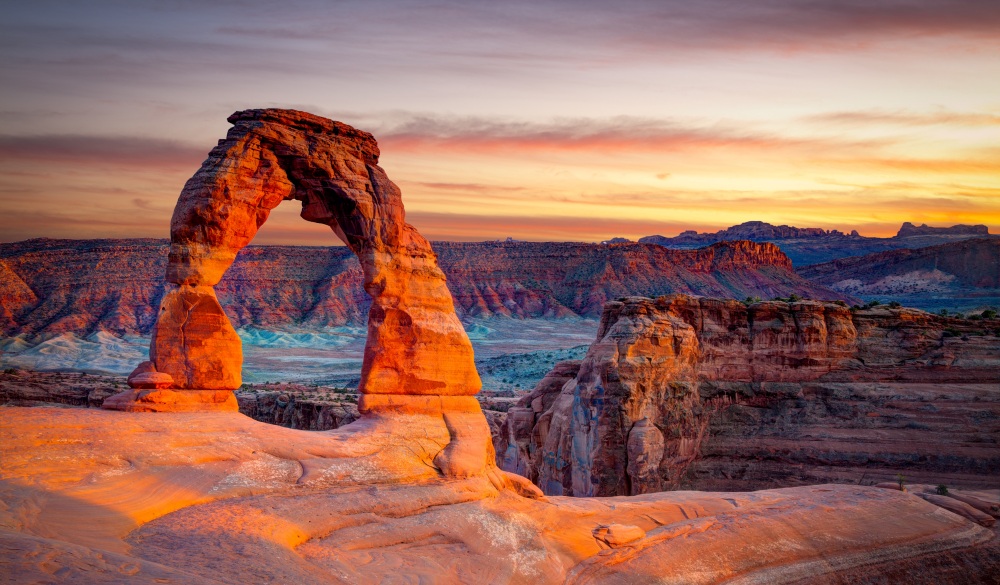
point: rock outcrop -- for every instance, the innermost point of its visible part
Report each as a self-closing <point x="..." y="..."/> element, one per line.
<point x="713" y="394"/>
<point x="416" y="346"/>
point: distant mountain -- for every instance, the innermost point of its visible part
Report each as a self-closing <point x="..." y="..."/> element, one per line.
<point x="959" y="275"/>
<point x="815" y="245"/>
<point x="84" y="286"/>
<point x="908" y="230"/>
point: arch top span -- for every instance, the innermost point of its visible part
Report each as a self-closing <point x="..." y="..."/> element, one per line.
<point x="416" y="346"/>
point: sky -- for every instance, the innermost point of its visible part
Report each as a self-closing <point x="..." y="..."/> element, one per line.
<point x="547" y="121"/>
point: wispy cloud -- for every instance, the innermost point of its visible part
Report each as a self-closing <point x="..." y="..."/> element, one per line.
<point x="907" y="118"/>
<point x="114" y="150"/>
<point x="598" y="135"/>
<point x="646" y="29"/>
<point x="467" y="227"/>
<point x="467" y="187"/>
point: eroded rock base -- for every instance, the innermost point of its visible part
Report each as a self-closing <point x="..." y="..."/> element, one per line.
<point x="106" y="497"/>
<point x="169" y="400"/>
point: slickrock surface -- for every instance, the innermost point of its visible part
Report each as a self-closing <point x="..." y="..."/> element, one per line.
<point x="713" y="394"/>
<point x="84" y="286"/>
<point x="96" y="496"/>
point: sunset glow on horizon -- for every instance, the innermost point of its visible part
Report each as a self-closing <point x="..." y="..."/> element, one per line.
<point x="539" y="121"/>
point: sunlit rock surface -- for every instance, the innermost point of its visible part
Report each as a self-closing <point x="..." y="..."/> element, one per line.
<point x="416" y="345"/>
<point x="714" y="394"/>
<point x="95" y="496"/>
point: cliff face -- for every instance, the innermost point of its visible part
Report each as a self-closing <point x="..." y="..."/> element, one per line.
<point x="82" y="286"/>
<point x="298" y="410"/>
<point x="527" y="280"/>
<point x="955" y="274"/>
<point x="698" y="393"/>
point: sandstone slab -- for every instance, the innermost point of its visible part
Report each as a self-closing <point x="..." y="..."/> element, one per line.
<point x="106" y="497"/>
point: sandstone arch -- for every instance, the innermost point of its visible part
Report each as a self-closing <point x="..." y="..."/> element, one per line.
<point x="416" y="346"/>
<point x="418" y="359"/>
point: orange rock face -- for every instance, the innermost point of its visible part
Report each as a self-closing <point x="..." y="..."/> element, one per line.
<point x="110" y="497"/>
<point x="167" y="400"/>
<point x="685" y="392"/>
<point x="194" y="343"/>
<point x="151" y="380"/>
<point x="418" y="361"/>
<point x="416" y="345"/>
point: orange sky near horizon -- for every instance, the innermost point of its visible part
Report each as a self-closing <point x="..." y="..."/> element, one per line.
<point x="538" y="121"/>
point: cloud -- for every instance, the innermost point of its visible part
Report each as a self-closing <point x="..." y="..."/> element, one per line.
<point x="532" y="30"/>
<point x="980" y="165"/>
<point x="745" y="149"/>
<point x="466" y="227"/>
<point x="907" y="118"/>
<point x="624" y="133"/>
<point x="105" y="150"/>
<point x="464" y="187"/>
<point x="791" y="25"/>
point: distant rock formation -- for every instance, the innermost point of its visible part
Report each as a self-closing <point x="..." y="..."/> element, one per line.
<point x="966" y="273"/>
<point x="908" y="230"/>
<point x="712" y="394"/>
<point x="84" y="286"/>
<point x="815" y="245"/>
<point x="22" y="388"/>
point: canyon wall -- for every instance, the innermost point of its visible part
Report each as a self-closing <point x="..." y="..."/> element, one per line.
<point x="310" y="411"/>
<point x="84" y="286"/>
<point x="682" y="392"/>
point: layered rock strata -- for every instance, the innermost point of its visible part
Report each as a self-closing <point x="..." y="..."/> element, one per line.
<point x="713" y="394"/>
<point x="22" y="388"/>
<point x="51" y="287"/>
